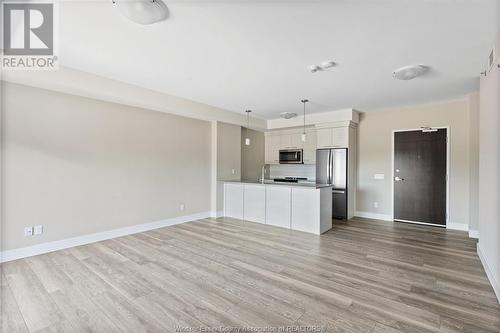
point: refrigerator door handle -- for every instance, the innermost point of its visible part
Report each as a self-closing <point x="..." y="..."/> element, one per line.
<point x="329" y="167"/>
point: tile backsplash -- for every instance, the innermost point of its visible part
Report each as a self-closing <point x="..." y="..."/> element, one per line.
<point x="283" y="170"/>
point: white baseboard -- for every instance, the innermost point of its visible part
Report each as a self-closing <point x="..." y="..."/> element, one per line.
<point x="474" y="234"/>
<point x="375" y="216"/>
<point x="489" y="272"/>
<point x="96" y="237"/>
<point x="457" y="226"/>
<point x="384" y="217"/>
<point x="217" y="214"/>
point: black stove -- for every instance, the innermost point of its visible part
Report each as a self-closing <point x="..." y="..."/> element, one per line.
<point x="289" y="179"/>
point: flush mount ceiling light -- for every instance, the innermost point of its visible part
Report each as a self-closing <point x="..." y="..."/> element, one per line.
<point x="288" y="115"/>
<point x="409" y="72"/>
<point x="314" y="68"/>
<point x="325" y="65"/>
<point x="142" y="11"/>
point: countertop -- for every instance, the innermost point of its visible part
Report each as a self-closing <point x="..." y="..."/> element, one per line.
<point x="273" y="183"/>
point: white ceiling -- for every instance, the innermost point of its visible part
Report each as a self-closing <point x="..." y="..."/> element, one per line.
<point x="255" y="54"/>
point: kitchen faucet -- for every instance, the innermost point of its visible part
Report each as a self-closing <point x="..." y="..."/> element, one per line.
<point x="262" y="175"/>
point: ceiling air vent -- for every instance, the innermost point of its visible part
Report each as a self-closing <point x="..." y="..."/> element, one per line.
<point x="288" y="115"/>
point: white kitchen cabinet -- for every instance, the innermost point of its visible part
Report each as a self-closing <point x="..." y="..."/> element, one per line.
<point x="272" y="149"/>
<point x="336" y="137"/>
<point x="324" y="137"/>
<point x="340" y="137"/>
<point x="278" y="200"/>
<point x="310" y="148"/>
<point x="255" y="203"/>
<point x="233" y="200"/>
<point x="291" y="141"/>
<point x="296" y="141"/>
<point x="286" y="141"/>
<point x="305" y="210"/>
<point x="296" y="207"/>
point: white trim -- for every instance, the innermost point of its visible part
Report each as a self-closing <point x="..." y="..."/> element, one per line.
<point x="448" y="159"/>
<point x="217" y="214"/>
<point x="375" y="216"/>
<point x="474" y="234"/>
<point x="422" y="223"/>
<point x="96" y="237"/>
<point x="457" y="226"/>
<point x="489" y="272"/>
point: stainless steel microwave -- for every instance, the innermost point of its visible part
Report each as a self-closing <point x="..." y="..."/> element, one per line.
<point x="291" y="156"/>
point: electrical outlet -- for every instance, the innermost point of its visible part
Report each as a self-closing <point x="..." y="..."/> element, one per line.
<point x="375" y="204"/>
<point x="233" y="171"/>
<point x="182" y="207"/>
<point x="38" y="230"/>
<point x="28" y="231"/>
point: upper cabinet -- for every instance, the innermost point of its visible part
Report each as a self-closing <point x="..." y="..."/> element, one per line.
<point x="276" y="141"/>
<point x="327" y="135"/>
<point x="324" y="137"/>
<point x="334" y="137"/>
<point x="291" y="141"/>
<point x="272" y="149"/>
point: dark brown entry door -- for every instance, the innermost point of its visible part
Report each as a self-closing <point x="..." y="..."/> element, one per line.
<point x="420" y="176"/>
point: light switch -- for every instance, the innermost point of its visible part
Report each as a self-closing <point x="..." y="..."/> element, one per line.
<point x="379" y="176"/>
<point x="28" y="231"/>
<point x="38" y="230"/>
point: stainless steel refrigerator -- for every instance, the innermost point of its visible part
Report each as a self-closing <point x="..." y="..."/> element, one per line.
<point x="331" y="168"/>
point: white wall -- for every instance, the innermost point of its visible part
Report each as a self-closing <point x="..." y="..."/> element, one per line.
<point x="375" y="154"/>
<point x="80" y="166"/>
<point x="489" y="173"/>
<point x="75" y="82"/>
<point x="474" y="163"/>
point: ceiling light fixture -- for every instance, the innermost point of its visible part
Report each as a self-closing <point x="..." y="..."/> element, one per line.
<point x="325" y="65"/>
<point x="314" y="68"/>
<point x="142" y="11"/>
<point x="247" y="139"/>
<point x="409" y="72"/>
<point x="303" y="136"/>
<point x="288" y="115"/>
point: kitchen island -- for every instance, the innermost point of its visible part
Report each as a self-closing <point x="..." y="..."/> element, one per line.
<point x="298" y="206"/>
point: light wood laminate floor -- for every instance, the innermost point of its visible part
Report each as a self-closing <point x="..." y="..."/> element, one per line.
<point x="362" y="276"/>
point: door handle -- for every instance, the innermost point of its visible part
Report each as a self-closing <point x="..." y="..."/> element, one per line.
<point x="398" y="179"/>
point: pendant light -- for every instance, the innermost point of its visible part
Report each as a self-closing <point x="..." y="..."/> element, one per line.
<point x="303" y="136"/>
<point x="247" y="139"/>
